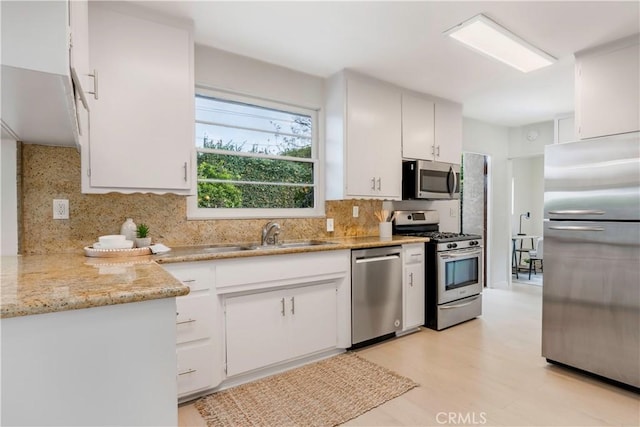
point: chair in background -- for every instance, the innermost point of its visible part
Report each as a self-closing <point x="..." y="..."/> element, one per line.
<point x="535" y="256"/>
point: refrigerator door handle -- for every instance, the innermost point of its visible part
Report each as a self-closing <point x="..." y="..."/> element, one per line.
<point x="578" y="212"/>
<point x="575" y="228"/>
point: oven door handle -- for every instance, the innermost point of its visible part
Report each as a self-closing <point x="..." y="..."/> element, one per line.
<point x="461" y="254"/>
<point x="448" y="307"/>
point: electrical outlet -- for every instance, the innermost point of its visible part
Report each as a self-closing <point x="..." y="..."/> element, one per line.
<point x="356" y="211"/>
<point x="453" y="212"/>
<point x="329" y="224"/>
<point x="60" y="209"/>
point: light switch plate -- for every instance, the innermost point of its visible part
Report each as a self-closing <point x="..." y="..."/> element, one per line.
<point x="356" y="211"/>
<point x="60" y="209"/>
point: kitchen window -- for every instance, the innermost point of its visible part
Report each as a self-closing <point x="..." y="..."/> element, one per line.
<point x="254" y="158"/>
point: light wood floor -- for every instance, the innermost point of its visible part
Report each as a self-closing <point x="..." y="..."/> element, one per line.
<point x="487" y="372"/>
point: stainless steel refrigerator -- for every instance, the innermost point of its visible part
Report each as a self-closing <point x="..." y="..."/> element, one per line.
<point x="591" y="290"/>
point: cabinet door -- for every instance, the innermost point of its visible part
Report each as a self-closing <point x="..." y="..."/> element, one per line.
<point x="607" y="87"/>
<point x="414" y="295"/>
<point x="313" y="310"/>
<point x="373" y="140"/>
<point x="417" y="128"/>
<point x="448" y="133"/>
<point x="256" y="331"/>
<point x="142" y="121"/>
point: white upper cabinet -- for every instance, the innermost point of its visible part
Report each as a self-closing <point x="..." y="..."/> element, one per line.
<point x="607" y="88"/>
<point x="142" y="109"/>
<point x="564" y="129"/>
<point x="417" y="128"/>
<point x="363" y="155"/>
<point x="448" y="132"/>
<point x="38" y="104"/>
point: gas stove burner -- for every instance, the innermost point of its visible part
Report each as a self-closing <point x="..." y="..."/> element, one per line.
<point x="444" y="236"/>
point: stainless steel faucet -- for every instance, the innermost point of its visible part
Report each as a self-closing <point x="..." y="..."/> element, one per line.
<point x="270" y="233"/>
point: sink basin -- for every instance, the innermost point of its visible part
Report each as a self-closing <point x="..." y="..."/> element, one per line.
<point x="302" y="244"/>
<point x="223" y="249"/>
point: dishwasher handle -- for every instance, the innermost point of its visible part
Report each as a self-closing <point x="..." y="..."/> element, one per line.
<point x="378" y="258"/>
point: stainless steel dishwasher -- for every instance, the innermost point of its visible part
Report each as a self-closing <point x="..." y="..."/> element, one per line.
<point x="376" y="293"/>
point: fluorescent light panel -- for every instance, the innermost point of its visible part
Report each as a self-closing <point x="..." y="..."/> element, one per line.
<point x="487" y="37"/>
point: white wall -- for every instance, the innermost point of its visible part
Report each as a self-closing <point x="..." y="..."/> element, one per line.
<point x="528" y="176"/>
<point x="527" y="170"/>
<point x="218" y="69"/>
<point x="8" y="202"/>
<point x="521" y="146"/>
<point x="493" y="141"/>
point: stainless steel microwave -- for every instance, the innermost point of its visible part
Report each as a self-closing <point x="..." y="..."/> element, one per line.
<point x="430" y="180"/>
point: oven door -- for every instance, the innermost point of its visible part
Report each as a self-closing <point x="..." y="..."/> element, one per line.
<point x="459" y="274"/>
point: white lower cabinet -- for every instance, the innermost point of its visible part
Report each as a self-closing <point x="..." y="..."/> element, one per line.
<point x="413" y="286"/>
<point x="245" y="314"/>
<point x="200" y="361"/>
<point x="297" y="306"/>
<point x="270" y="327"/>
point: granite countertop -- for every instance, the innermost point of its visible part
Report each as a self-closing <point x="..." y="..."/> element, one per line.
<point x="199" y="253"/>
<point x="39" y="284"/>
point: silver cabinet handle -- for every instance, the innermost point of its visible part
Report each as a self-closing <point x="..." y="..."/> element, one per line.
<point x="188" y="371"/>
<point x="186" y="321"/>
<point x="282" y="311"/>
<point x="373" y="183"/>
<point x="293" y="305"/>
<point x="578" y="212"/>
<point x="189" y="281"/>
<point x="438" y="151"/>
<point x="411" y="279"/>
<point x="433" y="150"/>
<point x="379" y="183"/>
<point x="95" y="84"/>
<point x="575" y="228"/>
<point x="185" y="171"/>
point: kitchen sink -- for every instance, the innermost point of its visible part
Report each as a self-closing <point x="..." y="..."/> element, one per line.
<point x="302" y="244"/>
<point x="218" y="249"/>
<point x="223" y="249"/>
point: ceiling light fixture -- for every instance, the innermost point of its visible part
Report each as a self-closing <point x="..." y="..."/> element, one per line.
<point x="489" y="38"/>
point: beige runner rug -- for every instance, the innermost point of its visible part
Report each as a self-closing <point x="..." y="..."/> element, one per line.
<point x="325" y="393"/>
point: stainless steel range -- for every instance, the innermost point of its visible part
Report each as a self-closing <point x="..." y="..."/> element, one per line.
<point x="453" y="288"/>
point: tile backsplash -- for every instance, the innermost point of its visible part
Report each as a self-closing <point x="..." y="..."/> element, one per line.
<point x="49" y="173"/>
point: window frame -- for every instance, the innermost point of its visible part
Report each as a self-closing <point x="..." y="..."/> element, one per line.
<point x="317" y="150"/>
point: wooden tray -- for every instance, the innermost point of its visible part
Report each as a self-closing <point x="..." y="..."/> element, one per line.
<point x="112" y="253"/>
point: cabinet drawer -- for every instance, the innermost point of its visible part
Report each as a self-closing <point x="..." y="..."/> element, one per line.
<point x="196" y="277"/>
<point x="413" y="254"/>
<point x="195" y="368"/>
<point x="194" y="317"/>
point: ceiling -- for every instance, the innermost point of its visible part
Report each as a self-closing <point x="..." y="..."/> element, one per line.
<point x="402" y="42"/>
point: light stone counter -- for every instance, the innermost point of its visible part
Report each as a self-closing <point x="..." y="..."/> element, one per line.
<point x="39" y="284"/>
<point x="199" y="253"/>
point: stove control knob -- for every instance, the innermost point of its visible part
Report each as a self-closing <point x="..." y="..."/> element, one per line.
<point x="452" y="245"/>
<point x="473" y="243"/>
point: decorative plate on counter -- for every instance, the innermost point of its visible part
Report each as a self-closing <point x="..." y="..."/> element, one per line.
<point x="106" y="253"/>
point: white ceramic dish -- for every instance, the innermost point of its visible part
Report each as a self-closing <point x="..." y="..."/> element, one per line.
<point x="125" y="244"/>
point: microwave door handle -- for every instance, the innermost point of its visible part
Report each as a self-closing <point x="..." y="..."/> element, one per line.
<point x="452" y="186"/>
